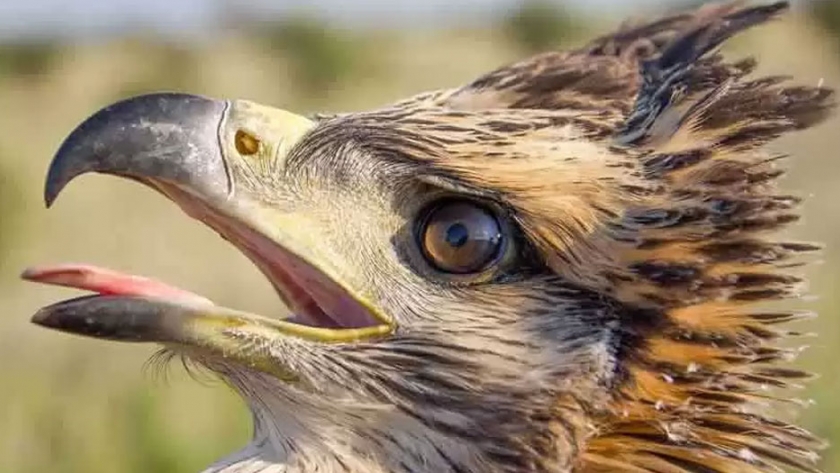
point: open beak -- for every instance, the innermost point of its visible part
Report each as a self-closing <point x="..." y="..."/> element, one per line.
<point x="174" y="144"/>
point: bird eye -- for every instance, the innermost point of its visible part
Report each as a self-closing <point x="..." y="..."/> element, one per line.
<point x="460" y="237"/>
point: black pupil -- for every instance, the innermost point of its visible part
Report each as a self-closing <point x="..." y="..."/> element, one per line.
<point x="457" y="235"/>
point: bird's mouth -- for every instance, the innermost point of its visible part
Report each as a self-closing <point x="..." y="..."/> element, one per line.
<point x="126" y="307"/>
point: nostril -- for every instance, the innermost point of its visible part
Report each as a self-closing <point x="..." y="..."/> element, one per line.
<point x="246" y="143"/>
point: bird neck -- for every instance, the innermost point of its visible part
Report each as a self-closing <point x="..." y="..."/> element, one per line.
<point x="297" y="433"/>
<point x="340" y="445"/>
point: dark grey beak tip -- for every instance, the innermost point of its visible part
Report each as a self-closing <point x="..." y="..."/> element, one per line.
<point x="118" y="318"/>
<point x="51" y="191"/>
<point x="61" y="317"/>
<point x="167" y="136"/>
<point x="45" y="319"/>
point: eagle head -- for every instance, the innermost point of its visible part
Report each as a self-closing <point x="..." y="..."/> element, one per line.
<point x="557" y="267"/>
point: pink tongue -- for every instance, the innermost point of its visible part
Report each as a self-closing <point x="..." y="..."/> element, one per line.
<point x="108" y="282"/>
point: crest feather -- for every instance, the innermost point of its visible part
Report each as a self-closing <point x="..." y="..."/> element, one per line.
<point x="700" y="252"/>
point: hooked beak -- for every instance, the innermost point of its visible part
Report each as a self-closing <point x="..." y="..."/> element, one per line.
<point x="174" y="143"/>
<point x="163" y="137"/>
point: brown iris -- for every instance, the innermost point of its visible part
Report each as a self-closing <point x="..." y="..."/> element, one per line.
<point x="460" y="237"/>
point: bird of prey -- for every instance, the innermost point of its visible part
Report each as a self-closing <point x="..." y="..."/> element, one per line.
<point x="563" y="266"/>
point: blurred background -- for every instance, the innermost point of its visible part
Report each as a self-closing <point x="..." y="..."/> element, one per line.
<point x="71" y="405"/>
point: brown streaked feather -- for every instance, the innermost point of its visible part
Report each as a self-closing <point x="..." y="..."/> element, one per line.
<point x="606" y="74"/>
<point x="633" y="166"/>
<point x="690" y="239"/>
<point x="700" y="252"/>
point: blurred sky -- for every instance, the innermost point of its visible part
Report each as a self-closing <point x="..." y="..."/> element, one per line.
<point x="24" y="18"/>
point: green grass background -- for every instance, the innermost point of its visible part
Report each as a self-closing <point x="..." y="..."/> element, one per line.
<point x="72" y="405"/>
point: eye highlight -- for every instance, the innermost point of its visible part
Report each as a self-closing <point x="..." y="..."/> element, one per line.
<point x="460" y="237"/>
<point x="246" y="143"/>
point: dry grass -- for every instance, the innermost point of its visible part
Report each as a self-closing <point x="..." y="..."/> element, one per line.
<point x="77" y="405"/>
